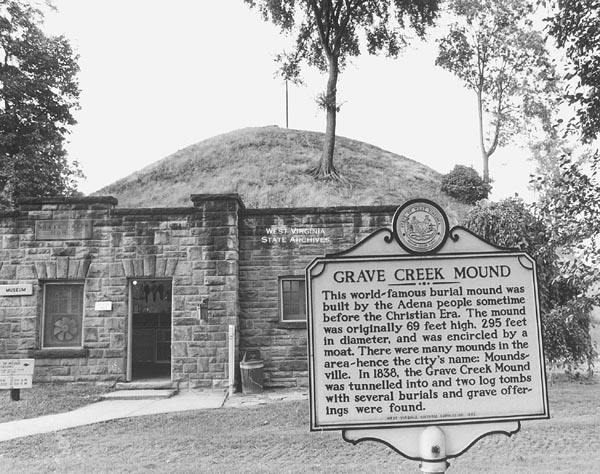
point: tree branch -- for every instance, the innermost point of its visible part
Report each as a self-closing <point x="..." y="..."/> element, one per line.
<point x="341" y="30"/>
<point x="320" y="27"/>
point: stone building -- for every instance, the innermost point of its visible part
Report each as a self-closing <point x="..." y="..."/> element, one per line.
<point x="94" y="292"/>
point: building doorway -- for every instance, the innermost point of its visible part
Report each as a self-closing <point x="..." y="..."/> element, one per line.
<point x="149" y="352"/>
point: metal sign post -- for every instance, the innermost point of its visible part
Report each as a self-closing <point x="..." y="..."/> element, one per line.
<point x="424" y="338"/>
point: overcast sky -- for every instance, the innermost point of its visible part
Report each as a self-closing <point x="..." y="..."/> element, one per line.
<point x="158" y="76"/>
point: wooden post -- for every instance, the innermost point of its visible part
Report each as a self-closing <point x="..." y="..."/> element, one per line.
<point x="15" y="394"/>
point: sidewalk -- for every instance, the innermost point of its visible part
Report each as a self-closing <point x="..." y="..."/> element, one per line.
<point x="115" y="409"/>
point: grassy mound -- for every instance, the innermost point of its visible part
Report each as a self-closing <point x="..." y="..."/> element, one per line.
<point x="267" y="167"/>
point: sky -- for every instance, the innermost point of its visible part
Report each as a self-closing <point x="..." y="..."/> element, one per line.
<point x="159" y="76"/>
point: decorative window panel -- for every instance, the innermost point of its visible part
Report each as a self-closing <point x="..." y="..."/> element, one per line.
<point x="151" y="296"/>
<point x="63" y="315"/>
<point x="292" y="299"/>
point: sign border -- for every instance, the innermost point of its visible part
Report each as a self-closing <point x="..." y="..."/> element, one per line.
<point x="433" y="422"/>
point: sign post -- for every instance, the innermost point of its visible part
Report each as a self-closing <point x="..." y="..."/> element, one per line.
<point x="424" y="338"/>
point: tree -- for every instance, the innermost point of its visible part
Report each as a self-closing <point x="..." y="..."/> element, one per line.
<point x="569" y="201"/>
<point x="494" y="50"/>
<point x="565" y="308"/>
<point x="327" y="33"/>
<point x="38" y="91"/>
<point x="575" y="25"/>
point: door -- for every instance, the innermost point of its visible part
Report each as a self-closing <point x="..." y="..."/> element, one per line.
<point x="149" y="351"/>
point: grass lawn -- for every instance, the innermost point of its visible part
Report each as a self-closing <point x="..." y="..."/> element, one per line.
<point x="274" y="438"/>
<point x="47" y="399"/>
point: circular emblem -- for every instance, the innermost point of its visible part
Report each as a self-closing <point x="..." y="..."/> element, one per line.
<point x="421" y="226"/>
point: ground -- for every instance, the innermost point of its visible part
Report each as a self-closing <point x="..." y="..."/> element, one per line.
<point x="274" y="438"/>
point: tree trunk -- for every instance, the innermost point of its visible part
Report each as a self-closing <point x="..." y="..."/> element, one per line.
<point x="486" y="168"/>
<point x="325" y="170"/>
<point x="484" y="154"/>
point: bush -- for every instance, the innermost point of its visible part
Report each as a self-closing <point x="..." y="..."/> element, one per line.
<point x="465" y="184"/>
<point x="565" y="312"/>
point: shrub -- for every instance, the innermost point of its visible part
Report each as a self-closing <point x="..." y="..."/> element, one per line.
<point x="565" y="311"/>
<point x="465" y="184"/>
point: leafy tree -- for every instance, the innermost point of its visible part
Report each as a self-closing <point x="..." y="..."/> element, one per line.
<point x="575" y="24"/>
<point x="327" y="34"/>
<point x="38" y="91"/>
<point x="565" y="309"/>
<point x="494" y="50"/>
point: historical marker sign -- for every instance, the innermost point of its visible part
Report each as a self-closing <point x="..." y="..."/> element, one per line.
<point x="419" y="338"/>
<point x="16" y="373"/>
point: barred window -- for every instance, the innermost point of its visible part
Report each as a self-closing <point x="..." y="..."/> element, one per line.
<point x="292" y="299"/>
<point x="63" y="315"/>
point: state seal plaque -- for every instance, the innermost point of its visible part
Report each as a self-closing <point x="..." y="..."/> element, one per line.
<point x="421" y="226"/>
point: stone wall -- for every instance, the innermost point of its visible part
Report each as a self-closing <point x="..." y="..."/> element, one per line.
<point x="282" y="242"/>
<point x="215" y="251"/>
<point x="196" y="247"/>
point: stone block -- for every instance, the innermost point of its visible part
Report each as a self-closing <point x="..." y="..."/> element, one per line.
<point x="150" y="266"/>
<point x="98" y="370"/>
<point x="203" y="364"/>
<point x="171" y="265"/>
<point x="8" y="272"/>
<point x="90" y="335"/>
<point x="5" y="330"/>
<point x="115" y="270"/>
<point x="10" y="241"/>
<point x="62" y="267"/>
<point x="25" y="344"/>
<point x="26" y="272"/>
<point x="113" y="353"/>
<point x="115" y="324"/>
<point x="138" y="267"/>
<point x="179" y="349"/>
<point x="128" y="267"/>
<point x="117" y="340"/>
<point x="116" y="366"/>
<point x="27" y="325"/>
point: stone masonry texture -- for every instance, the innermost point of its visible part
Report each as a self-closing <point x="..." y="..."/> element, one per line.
<point x="214" y="252"/>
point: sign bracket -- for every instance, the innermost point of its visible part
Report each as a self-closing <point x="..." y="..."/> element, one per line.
<point x="408" y="441"/>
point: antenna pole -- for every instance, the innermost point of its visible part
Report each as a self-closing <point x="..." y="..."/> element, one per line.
<point x="286" y="105"/>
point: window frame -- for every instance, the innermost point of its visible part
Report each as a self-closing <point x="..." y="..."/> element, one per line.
<point x="45" y="285"/>
<point x="291" y="322"/>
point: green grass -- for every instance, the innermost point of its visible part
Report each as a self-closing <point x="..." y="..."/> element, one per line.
<point x="267" y="167"/>
<point x="274" y="438"/>
<point x="47" y="399"/>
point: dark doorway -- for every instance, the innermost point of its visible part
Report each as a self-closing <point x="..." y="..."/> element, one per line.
<point x="150" y="350"/>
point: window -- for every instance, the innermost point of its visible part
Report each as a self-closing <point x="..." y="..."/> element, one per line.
<point x="63" y="315"/>
<point x="292" y="299"/>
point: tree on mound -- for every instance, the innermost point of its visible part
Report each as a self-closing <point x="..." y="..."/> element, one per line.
<point x="327" y="34"/>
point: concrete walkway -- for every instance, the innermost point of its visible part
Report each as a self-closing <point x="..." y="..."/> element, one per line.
<point x="115" y="409"/>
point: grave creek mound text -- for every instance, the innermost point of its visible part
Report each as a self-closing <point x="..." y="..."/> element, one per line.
<point x="425" y="342"/>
